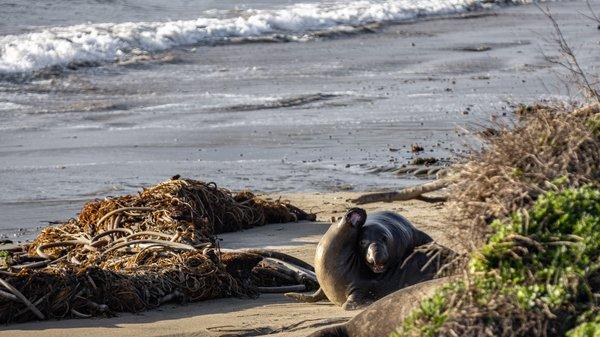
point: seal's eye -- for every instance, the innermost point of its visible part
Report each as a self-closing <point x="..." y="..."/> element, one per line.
<point x="364" y="243"/>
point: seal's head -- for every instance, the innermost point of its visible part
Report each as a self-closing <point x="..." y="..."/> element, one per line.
<point x="354" y="219"/>
<point x="375" y="244"/>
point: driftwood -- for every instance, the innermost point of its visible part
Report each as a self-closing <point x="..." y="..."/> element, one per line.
<point x="282" y="289"/>
<point x="409" y="193"/>
<point x="317" y="296"/>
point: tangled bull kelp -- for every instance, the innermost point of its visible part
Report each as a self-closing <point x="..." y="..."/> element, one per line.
<point x="135" y="252"/>
<point x="66" y="291"/>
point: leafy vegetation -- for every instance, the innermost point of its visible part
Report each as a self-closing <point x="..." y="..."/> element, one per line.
<point x="537" y="275"/>
<point x="587" y="329"/>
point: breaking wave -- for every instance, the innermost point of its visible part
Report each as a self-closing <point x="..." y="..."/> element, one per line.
<point x="109" y="42"/>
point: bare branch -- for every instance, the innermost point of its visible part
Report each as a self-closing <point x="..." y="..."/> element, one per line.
<point x="568" y="59"/>
<point x="415" y="192"/>
<point x="593" y="15"/>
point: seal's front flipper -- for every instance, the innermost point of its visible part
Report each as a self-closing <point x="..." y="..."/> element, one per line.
<point x="319" y="295"/>
<point x="356" y="301"/>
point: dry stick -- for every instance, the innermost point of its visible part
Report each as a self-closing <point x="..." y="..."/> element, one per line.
<point x="309" y="274"/>
<point x="119" y="210"/>
<point x="317" y="296"/>
<point x="593" y="16"/>
<point x="22" y="298"/>
<point x="431" y="199"/>
<point x="405" y="194"/>
<point x="282" y="289"/>
<point x="430" y="260"/>
<point x="571" y="63"/>
<point x="174" y="245"/>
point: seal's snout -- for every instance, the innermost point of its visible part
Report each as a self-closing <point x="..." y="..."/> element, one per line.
<point x="377" y="257"/>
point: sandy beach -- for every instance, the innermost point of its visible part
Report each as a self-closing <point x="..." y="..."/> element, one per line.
<point x="267" y="314"/>
<point x="421" y="82"/>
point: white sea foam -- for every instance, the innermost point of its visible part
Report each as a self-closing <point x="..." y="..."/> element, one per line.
<point x="5" y="106"/>
<point x="108" y="42"/>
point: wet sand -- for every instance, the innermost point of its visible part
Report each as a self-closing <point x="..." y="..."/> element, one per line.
<point x="269" y="312"/>
<point x="275" y="117"/>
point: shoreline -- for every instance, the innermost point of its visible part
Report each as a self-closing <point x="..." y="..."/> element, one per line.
<point x="428" y="80"/>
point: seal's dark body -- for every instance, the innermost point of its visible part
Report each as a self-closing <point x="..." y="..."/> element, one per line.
<point x="403" y="239"/>
<point x="386" y="315"/>
<point x="342" y="272"/>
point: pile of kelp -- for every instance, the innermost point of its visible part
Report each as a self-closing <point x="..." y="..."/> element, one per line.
<point x="534" y="193"/>
<point x="136" y="252"/>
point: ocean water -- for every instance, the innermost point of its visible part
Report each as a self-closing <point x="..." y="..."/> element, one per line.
<point x="43" y="34"/>
<point x="103" y="97"/>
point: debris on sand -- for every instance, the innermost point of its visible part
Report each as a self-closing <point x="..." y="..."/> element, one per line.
<point x="415" y="148"/>
<point x="424" y="161"/>
<point x="136" y="252"/>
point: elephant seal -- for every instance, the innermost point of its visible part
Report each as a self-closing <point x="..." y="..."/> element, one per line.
<point x="386" y="315"/>
<point x="387" y="238"/>
<point x="361" y="259"/>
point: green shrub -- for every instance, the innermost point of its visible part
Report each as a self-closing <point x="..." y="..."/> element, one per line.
<point x="590" y="328"/>
<point x="593" y="123"/>
<point x="535" y="276"/>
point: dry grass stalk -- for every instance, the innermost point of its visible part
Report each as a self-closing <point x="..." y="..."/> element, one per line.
<point x="575" y="74"/>
<point x="547" y="148"/>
